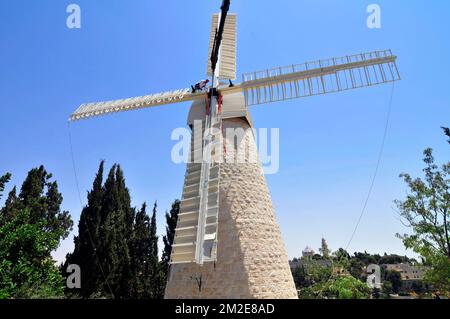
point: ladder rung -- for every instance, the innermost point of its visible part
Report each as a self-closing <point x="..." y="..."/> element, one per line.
<point x="191" y="188"/>
<point x="213" y="188"/>
<point x="185" y="238"/>
<point x="185" y="228"/>
<point x="189" y="199"/>
<point x="197" y="149"/>
<point x="186" y="262"/>
<point x="188" y="213"/>
<point x="192" y="177"/>
<point x="192" y="185"/>
<point x="210" y="237"/>
<point x="207" y="259"/>
<point x="213" y="194"/>
<point x="215" y="179"/>
<point x="190" y="194"/>
<point x="213" y="207"/>
<point x="184" y="245"/>
<point x="194" y="169"/>
<point x="187" y="223"/>
<point x="182" y="258"/>
<point x="190" y="207"/>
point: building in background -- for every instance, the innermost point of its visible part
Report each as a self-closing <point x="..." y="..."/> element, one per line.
<point x="308" y="253"/>
<point x="410" y="274"/>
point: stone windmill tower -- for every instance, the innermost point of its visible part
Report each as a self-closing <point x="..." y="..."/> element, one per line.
<point x="227" y="242"/>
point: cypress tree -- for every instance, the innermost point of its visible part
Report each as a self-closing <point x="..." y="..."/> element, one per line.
<point x="126" y="243"/>
<point x="140" y="248"/>
<point x="171" y="224"/>
<point x="447" y="133"/>
<point x="3" y="181"/>
<point x="110" y="237"/>
<point x="157" y="278"/>
<point x="124" y="226"/>
<point x="11" y="205"/>
<point x="153" y="236"/>
<point x="87" y="241"/>
<point x="102" y="245"/>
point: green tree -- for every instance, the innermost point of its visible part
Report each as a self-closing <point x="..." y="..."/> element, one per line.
<point x="356" y="268"/>
<point x="366" y="258"/>
<point x="341" y="260"/>
<point x="31" y="227"/>
<point x="104" y="237"/>
<point x="418" y="287"/>
<point x="3" y="181"/>
<point x="387" y="288"/>
<point x="171" y="224"/>
<point x="393" y="259"/>
<point x="426" y="211"/>
<point x="338" y="287"/>
<point x="87" y="242"/>
<point x="447" y="132"/>
<point x="324" y="250"/>
<point x="158" y="278"/>
<point x="395" y="280"/>
<point x="319" y="272"/>
<point x="153" y="236"/>
<point x="140" y="252"/>
<point x="123" y="226"/>
<point x="347" y="287"/>
<point x="117" y="247"/>
<point x="301" y="278"/>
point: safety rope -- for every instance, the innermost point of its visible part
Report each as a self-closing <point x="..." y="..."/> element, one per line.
<point x="220" y="101"/>
<point x="81" y="204"/>
<point x="383" y="142"/>
<point x="377" y="166"/>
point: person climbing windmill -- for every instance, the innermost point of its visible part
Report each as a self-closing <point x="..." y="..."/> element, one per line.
<point x="199" y="86"/>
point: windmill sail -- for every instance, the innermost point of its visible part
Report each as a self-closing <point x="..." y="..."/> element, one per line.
<point x="103" y="108"/>
<point x="227" y="65"/>
<point x="197" y="226"/>
<point x="196" y="232"/>
<point x="319" y="77"/>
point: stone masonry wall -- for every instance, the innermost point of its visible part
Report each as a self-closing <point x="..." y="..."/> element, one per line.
<point x="251" y="257"/>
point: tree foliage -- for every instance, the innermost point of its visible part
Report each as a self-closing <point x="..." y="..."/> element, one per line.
<point x="447" y="132"/>
<point x="116" y="247"/>
<point x="426" y="211"/>
<point x="171" y="223"/>
<point x="395" y="280"/>
<point x="3" y="181"/>
<point x="346" y="287"/>
<point x="31" y="227"/>
<point x="322" y="278"/>
<point x="338" y="287"/>
<point x="324" y="250"/>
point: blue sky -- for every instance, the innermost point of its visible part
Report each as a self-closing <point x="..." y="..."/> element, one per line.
<point x="329" y="144"/>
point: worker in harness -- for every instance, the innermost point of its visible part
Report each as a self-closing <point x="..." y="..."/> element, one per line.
<point x="200" y="86"/>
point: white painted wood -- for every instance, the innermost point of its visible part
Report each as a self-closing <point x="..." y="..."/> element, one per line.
<point x="227" y="65"/>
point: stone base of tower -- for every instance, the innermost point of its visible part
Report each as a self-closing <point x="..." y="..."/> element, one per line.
<point x="251" y="257"/>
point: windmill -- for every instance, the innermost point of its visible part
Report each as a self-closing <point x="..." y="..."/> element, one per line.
<point x="227" y="243"/>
